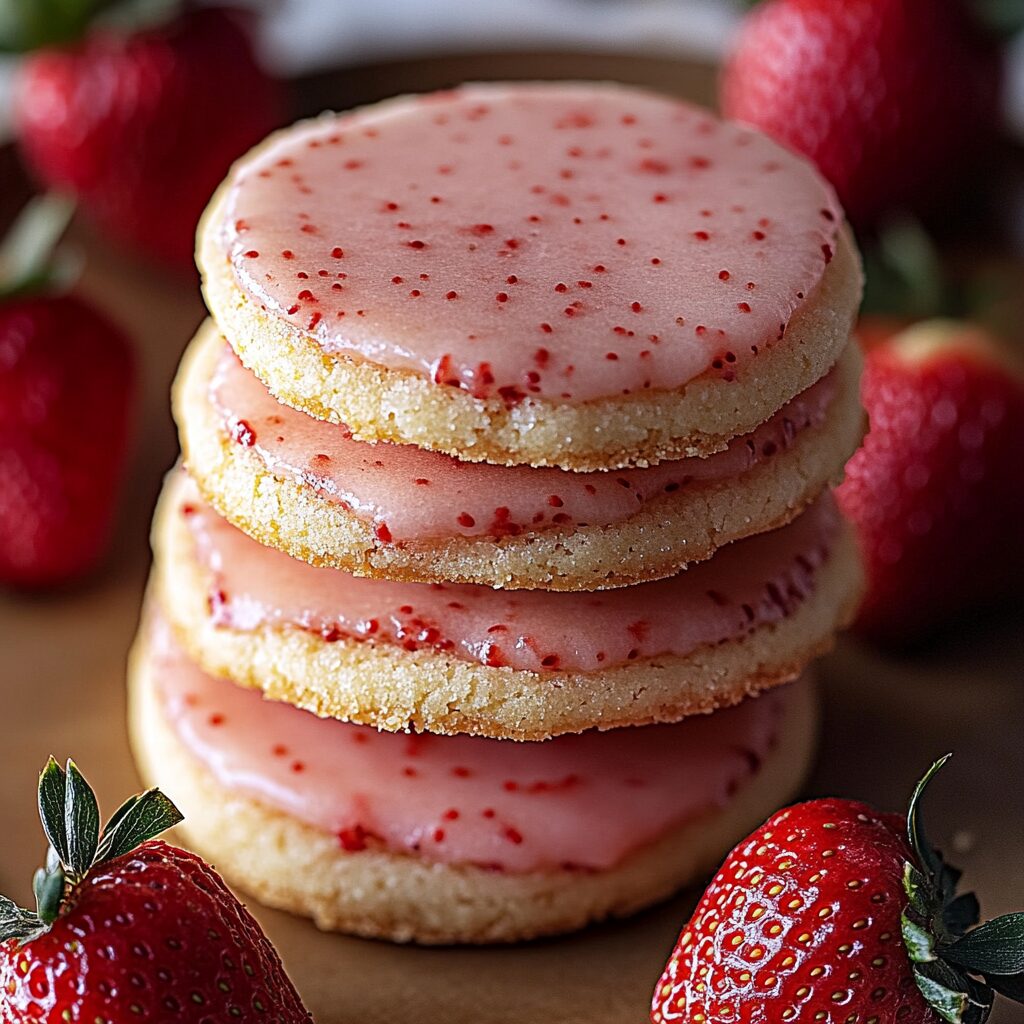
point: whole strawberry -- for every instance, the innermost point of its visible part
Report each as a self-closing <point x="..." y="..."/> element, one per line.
<point x="891" y="98"/>
<point x="835" y="914"/>
<point x="143" y="125"/>
<point x="66" y="394"/>
<point x="935" y="492"/>
<point x="131" y="929"/>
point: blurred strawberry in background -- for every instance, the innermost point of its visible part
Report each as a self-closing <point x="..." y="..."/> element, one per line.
<point x="66" y="389"/>
<point x="897" y="102"/>
<point x="139" y="115"/>
<point x="936" y="493"/>
<point x="893" y="99"/>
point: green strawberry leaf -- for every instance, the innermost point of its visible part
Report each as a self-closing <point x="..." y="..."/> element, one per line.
<point x="82" y="822"/>
<point x="1002" y="17"/>
<point x="961" y="913"/>
<point x="48" y="884"/>
<point x="995" y="947"/>
<point x="1010" y="986"/>
<point x="116" y="817"/>
<point x="928" y="860"/>
<point x="30" y="24"/>
<point x="949" y="878"/>
<point x="918" y="891"/>
<point x="135" y="822"/>
<point x="903" y="273"/>
<point x="70" y="817"/>
<point x="954" y="998"/>
<point x="29" y="259"/>
<point x="16" y="923"/>
<point x="52" y="800"/>
<point x="919" y="941"/>
<point x="35" y="24"/>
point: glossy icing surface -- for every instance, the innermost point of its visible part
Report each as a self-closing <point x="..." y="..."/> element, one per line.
<point x="567" y="241"/>
<point x="411" y="494"/>
<point x="746" y="585"/>
<point x="581" y="802"/>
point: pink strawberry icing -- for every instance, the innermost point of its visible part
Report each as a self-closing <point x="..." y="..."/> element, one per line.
<point x="746" y="585"/>
<point x="570" y="241"/>
<point x="584" y="801"/>
<point x="411" y="494"/>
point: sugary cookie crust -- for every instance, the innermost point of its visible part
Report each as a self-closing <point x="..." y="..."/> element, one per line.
<point x="394" y="689"/>
<point x="613" y="433"/>
<point x="660" y="540"/>
<point x="287" y="864"/>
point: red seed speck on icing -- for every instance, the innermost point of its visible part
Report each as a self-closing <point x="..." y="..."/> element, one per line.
<point x="354" y="839"/>
<point x="255" y="582"/>
<point x="582" y="803"/>
<point x="578" y="171"/>
<point x="243" y="434"/>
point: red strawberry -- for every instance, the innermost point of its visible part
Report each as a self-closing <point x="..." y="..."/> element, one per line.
<point x="833" y="913"/>
<point x="143" y="126"/>
<point x="935" y="492"/>
<point x="129" y="932"/>
<point x="66" y="388"/>
<point x="891" y="98"/>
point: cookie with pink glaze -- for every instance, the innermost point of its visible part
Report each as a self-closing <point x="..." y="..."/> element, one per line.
<point x="449" y="658"/>
<point x="400" y="512"/>
<point x="454" y="839"/>
<point x="579" y="275"/>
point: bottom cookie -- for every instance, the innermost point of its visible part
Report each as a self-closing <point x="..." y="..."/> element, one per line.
<point x="454" y="839"/>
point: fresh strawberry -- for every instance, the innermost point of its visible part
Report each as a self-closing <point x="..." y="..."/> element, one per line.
<point x="891" y="98"/>
<point x="834" y="913"/>
<point x="131" y="929"/>
<point x="66" y="389"/>
<point x="142" y="126"/>
<point x="935" y="492"/>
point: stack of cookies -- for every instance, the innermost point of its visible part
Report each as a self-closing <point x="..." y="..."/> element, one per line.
<point x="504" y="537"/>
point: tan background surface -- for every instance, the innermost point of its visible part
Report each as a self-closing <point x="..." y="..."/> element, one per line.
<point x="62" y="674"/>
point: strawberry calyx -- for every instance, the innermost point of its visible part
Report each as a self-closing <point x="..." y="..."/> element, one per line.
<point x="71" y="820"/>
<point x="958" y="965"/>
<point x="29" y="259"/>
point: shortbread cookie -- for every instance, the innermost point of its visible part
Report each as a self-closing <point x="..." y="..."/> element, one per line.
<point x="579" y="275"/>
<point x="400" y="512"/>
<point x="518" y="664"/>
<point x="454" y="839"/>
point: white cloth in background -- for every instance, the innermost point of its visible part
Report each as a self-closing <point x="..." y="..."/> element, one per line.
<point x="305" y="34"/>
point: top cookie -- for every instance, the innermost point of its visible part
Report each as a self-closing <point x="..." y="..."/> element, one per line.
<point x="581" y="275"/>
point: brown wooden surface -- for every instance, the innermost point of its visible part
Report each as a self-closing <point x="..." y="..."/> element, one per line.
<point x="62" y="681"/>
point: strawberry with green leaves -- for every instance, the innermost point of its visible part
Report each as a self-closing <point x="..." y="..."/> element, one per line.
<point x="128" y="928"/>
<point x="138" y="109"/>
<point x="67" y="390"/>
<point x="935" y="492"/>
<point x="832" y="913"/>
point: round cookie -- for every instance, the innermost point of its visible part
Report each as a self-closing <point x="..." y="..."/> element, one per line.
<point x="400" y="512"/>
<point x="519" y="664"/>
<point x="580" y="275"/>
<point x="351" y="881"/>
